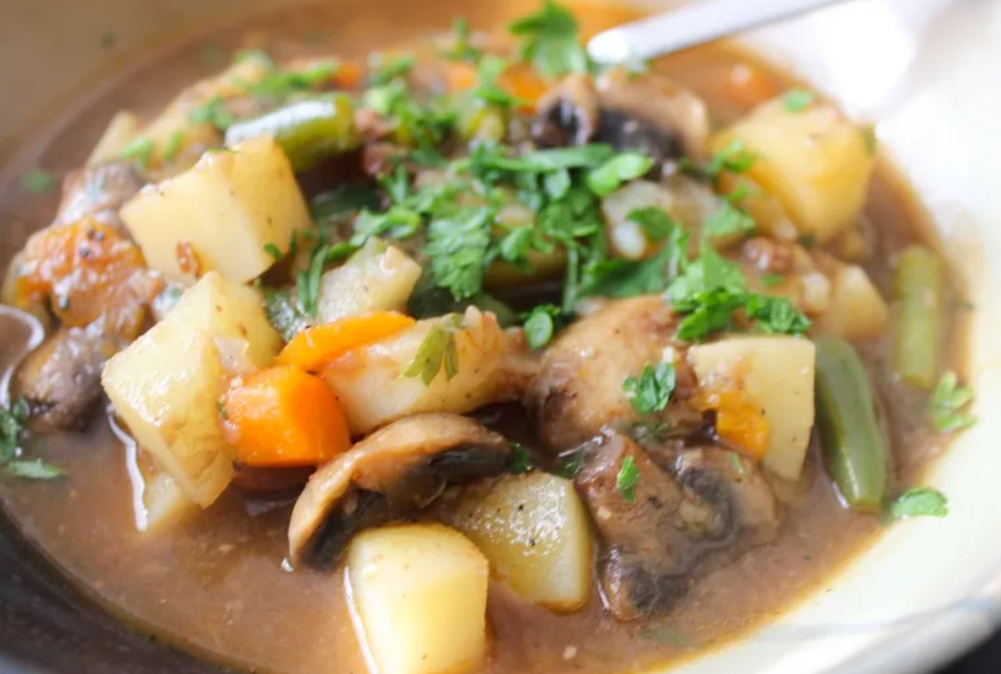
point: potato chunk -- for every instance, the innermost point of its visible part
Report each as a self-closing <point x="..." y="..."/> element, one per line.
<point x="372" y="385"/>
<point x="228" y="310"/>
<point x="420" y="594"/>
<point x="814" y="161"/>
<point x="534" y="530"/>
<point x="166" y="386"/>
<point x="775" y="374"/>
<point x="220" y="214"/>
<point x="856" y="309"/>
<point x="376" y="278"/>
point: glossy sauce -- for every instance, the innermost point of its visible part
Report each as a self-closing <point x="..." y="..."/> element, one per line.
<point x="217" y="584"/>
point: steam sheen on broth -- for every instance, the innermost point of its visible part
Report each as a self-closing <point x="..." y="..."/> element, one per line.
<point x="691" y="499"/>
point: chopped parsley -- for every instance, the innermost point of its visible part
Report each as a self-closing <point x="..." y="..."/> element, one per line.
<point x="655" y="221"/>
<point x="651" y="391"/>
<point x="140" y="150"/>
<point x="733" y="158"/>
<point x="173" y="147"/>
<point x="461" y="49"/>
<point x="776" y="315"/>
<point x="627" y="478"/>
<point x="457" y="246"/>
<point x="949" y="404"/>
<point x="284" y="313"/>
<point x="279" y="84"/>
<point x="569" y="464"/>
<point x="12" y="422"/>
<point x="772" y="280"/>
<point x="521" y="460"/>
<point x="386" y="69"/>
<point x="619" y="169"/>
<point x="214" y="112"/>
<point x="38" y="181"/>
<point x="918" y="502"/>
<point x="540" y="324"/>
<point x="437" y="349"/>
<point x="549" y="41"/>
<point x="727" y="221"/>
<point x="274" y="251"/>
<point x="797" y="100"/>
<point x="487" y="89"/>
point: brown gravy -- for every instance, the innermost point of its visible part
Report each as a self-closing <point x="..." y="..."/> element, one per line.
<point x="217" y="585"/>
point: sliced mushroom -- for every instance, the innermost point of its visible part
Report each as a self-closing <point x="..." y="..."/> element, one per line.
<point x="393" y="472"/>
<point x="645" y="113"/>
<point x="681" y="522"/>
<point x="61" y="380"/>
<point x="578" y="390"/>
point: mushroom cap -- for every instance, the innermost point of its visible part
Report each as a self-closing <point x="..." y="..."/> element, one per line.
<point x="398" y="468"/>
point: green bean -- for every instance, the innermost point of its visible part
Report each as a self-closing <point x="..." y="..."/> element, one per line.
<point x="854" y="448"/>
<point x="920" y="316"/>
<point x="308" y="131"/>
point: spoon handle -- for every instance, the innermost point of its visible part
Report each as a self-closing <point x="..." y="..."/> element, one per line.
<point x="691" y="25"/>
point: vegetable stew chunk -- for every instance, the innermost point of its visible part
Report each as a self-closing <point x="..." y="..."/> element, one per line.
<point x="221" y="215"/>
<point x="420" y="594"/>
<point x="665" y="523"/>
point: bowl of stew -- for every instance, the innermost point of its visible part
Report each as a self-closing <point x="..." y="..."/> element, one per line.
<point x="405" y="339"/>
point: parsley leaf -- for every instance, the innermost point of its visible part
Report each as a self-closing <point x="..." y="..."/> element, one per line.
<point x="733" y="158"/>
<point x="550" y="41"/>
<point x="461" y="49"/>
<point x="919" y="502"/>
<point x="797" y="100"/>
<point x="521" y="460"/>
<point x="626" y="480"/>
<point x="457" y="246"/>
<point x="274" y="251"/>
<point x="284" y="313"/>
<point x="726" y="221"/>
<point x="214" y="112"/>
<point x="140" y="150"/>
<point x="628" y="278"/>
<point x="487" y="89"/>
<point x="655" y="221"/>
<point x="437" y="348"/>
<point x="772" y="279"/>
<point x="619" y="169"/>
<point x="38" y="181"/>
<point x="12" y="421"/>
<point x="948" y="404"/>
<point x="776" y="315"/>
<point x="173" y="147"/>
<point x="650" y="391"/>
<point x="569" y="464"/>
<point x="33" y="470"/>
<point x="386" y="69"/>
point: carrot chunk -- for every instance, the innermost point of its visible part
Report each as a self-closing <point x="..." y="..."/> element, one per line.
<point x="283" y="417"/>
<point x="314" y="347"/>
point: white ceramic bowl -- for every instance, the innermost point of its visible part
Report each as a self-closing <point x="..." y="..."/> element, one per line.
<point x="929" y="72"/>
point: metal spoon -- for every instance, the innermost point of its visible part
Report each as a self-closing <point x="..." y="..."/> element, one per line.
<point x="691" y="25"/>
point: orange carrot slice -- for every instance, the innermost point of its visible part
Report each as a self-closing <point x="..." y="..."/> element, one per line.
<point x="283" y="417"/>
<point x="314" y="347"/>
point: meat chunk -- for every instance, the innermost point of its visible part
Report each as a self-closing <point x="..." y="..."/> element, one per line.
<point x="61" y="380"/>
<point x="578" y="390"/>
<point x="691" y="512"/>
<point x="98" y="192"/>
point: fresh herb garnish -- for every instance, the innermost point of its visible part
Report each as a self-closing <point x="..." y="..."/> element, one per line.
<point x="12" y="422"/>
<point x="737" y="464"/>
<point x="38" y="181"/>
<point x="540" y="324"/>
<point x="651" y="391"/>
<point x="776" y="315"/>
<point x="772" y="280"/>
<point x="173" y="146"/>
<point x="214" y="112"/>
<point x="655" y="221"/>
<point x="457" y="246"/>
<point x="521" y="460"/>
<point x="278" y="84"/>
<point x="550" y="41"/>
<point x="461" y="49"/>
<point x="569" y="465"/>
<point x="437" y="349"/>
<point x="487" y="89"/>
<point x="628" y="278"/>
<point x="727" y="221"/>
<point x="343" y="200"/>
<point x="733" y="158"/>
<point x="284" y="313"/>
<point x="948" y="405"/>
<point x="140" y="150"/>
<point x="386" y="69"/>
<point x="619" y="169"/>
<point x="918" y="502"/>
<point x="797" y="100"/>
<point x="627" y="478"/>
<point x="274" y="251"/>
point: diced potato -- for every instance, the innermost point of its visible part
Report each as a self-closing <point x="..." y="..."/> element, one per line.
<point x="420" y="595"/>
<point x="535" y="532"/>
<point x="225" y="209"/>
<point x="814" y="161"/>
<point x="228" y="310"/>
<point x="856" y="309"/>
<point x="166" y="387"/>
<point x="776" y="375"/>
<point x="123" y="127"/>
<point x="372" y="387"/>
<point x="167" y="505"/>
<point x="376" y="278"/>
